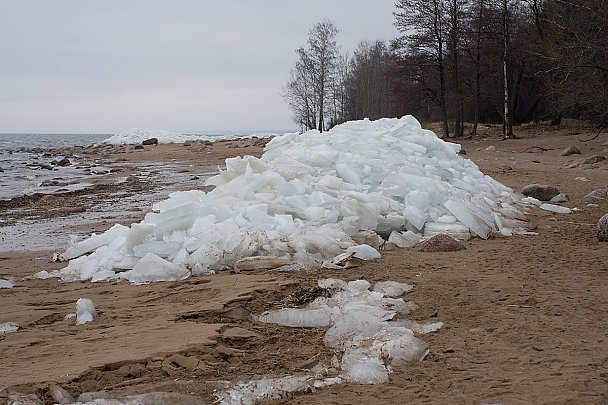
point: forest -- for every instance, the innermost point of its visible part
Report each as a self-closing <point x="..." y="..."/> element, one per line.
<point x="504" y="62"/>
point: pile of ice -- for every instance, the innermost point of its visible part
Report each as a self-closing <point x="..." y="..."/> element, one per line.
<point x="361" y="329"/>
<point x="307" y="199"/>
<point x="136" y="136"/>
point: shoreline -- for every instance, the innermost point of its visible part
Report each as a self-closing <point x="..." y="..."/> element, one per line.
<point x="523" y="315"/>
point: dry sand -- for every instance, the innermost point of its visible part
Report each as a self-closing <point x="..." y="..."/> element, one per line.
<point x="524" y="316"/>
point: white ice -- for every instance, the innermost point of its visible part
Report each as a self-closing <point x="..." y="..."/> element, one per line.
<point x="8" y="327"/>
<point x="7" y="283"/>
<point x="309" y="198"/>
<point x="361" y="327"/>
<point x="85" y="311"/>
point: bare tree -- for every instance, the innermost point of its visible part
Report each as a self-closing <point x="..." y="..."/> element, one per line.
<point x="367" y="81"/>
<point x="576" y="58"/>
<point x="424" y="33"/>
<point x="313" y="78"/>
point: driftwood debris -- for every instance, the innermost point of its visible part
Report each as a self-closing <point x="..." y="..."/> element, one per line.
<point x="596" y="135"/>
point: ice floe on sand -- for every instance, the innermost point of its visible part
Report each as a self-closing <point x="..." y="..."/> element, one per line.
<point x="361" y="330"/>
<point x="309" y="198"/>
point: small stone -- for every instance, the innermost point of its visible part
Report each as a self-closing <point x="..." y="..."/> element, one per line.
<point x="490" y="148"/>
<point x="64" y="162"/>
<point x="138" y="147"/>
<point x="587" y="167"/>
<point x="602" y="229"/>
<point x="540" y="192"/>
<point x="505" y="168"/>
<point x="461" y="152"/>
<point x="71" y="210"/>
<point x="592" y="206"/>
<point x="441" y="243"/>
<point x="594" y="159"/>
<point x="572" y="150"/>
<point x="598" y="194"/>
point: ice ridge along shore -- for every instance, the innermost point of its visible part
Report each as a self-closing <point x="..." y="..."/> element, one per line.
<point x="308" y="198"/>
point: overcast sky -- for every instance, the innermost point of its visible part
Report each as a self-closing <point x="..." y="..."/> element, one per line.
<point x="77" y="66"/>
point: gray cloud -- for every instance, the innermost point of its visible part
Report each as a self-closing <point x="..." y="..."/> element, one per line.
<point x="187" y="65"/>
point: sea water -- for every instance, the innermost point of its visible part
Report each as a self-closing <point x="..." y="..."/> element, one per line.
<point x="19" y="150"/>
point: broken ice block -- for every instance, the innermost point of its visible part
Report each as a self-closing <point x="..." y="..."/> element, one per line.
<point x="152" y="268"/>
<point x="85" y="311"/>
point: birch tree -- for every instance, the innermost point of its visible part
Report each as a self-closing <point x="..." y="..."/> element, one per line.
<point x="313" y="78"/>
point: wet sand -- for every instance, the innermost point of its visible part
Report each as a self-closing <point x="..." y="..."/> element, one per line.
<point x="523" y="316"/>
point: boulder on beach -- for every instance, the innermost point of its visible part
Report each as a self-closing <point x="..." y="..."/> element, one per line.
<point x="541" y="192"/>
<point x="594" y="159"/>
<point x="572" y="150"/>
<point x="151" y="141"/>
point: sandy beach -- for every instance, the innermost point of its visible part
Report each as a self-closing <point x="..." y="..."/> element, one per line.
<point x="523" y="315"/>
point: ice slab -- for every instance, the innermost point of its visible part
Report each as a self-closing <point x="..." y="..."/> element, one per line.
<point x="7" y="283"/>
<point x="558" y="209"/>
<point x="152" y="268"/>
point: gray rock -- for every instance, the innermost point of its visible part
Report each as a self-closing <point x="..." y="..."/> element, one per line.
<point x="151" y="141"/>
<point x="587" y="167"/>
<point x="594" y="159"/>
<point x="540" y="191"/>
<point x="64" y="162"/>
<point x="560" y="198"/>
<point x="572" y="150"/>
<point x="505" y="168"/>
<point x="597" y="194"/>
<point x="138" y="147"/>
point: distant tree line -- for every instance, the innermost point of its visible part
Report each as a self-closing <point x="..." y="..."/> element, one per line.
<point x="457" y="61"/>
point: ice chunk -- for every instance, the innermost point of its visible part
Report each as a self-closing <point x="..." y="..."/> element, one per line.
<point x="95" y="241"/>
<point x="468" y="218"/>
<point x="85" y="311"/>
<point x="8" y="327"/>
<point x="404" y="239"/>
<point x="364" y="252"/>
<point x="455" y="230"/>
<point x="405" y="350"/>
<point x="419" y="199"/>
<point x="415" y="217"/>
<point x="310" y="318"/>
<point x="7" y="283"/>
<point x="555" y="208"/>
<point x="152" y="268"/>
<point x="392" y="288"/>
<point x="360" y="367"/>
